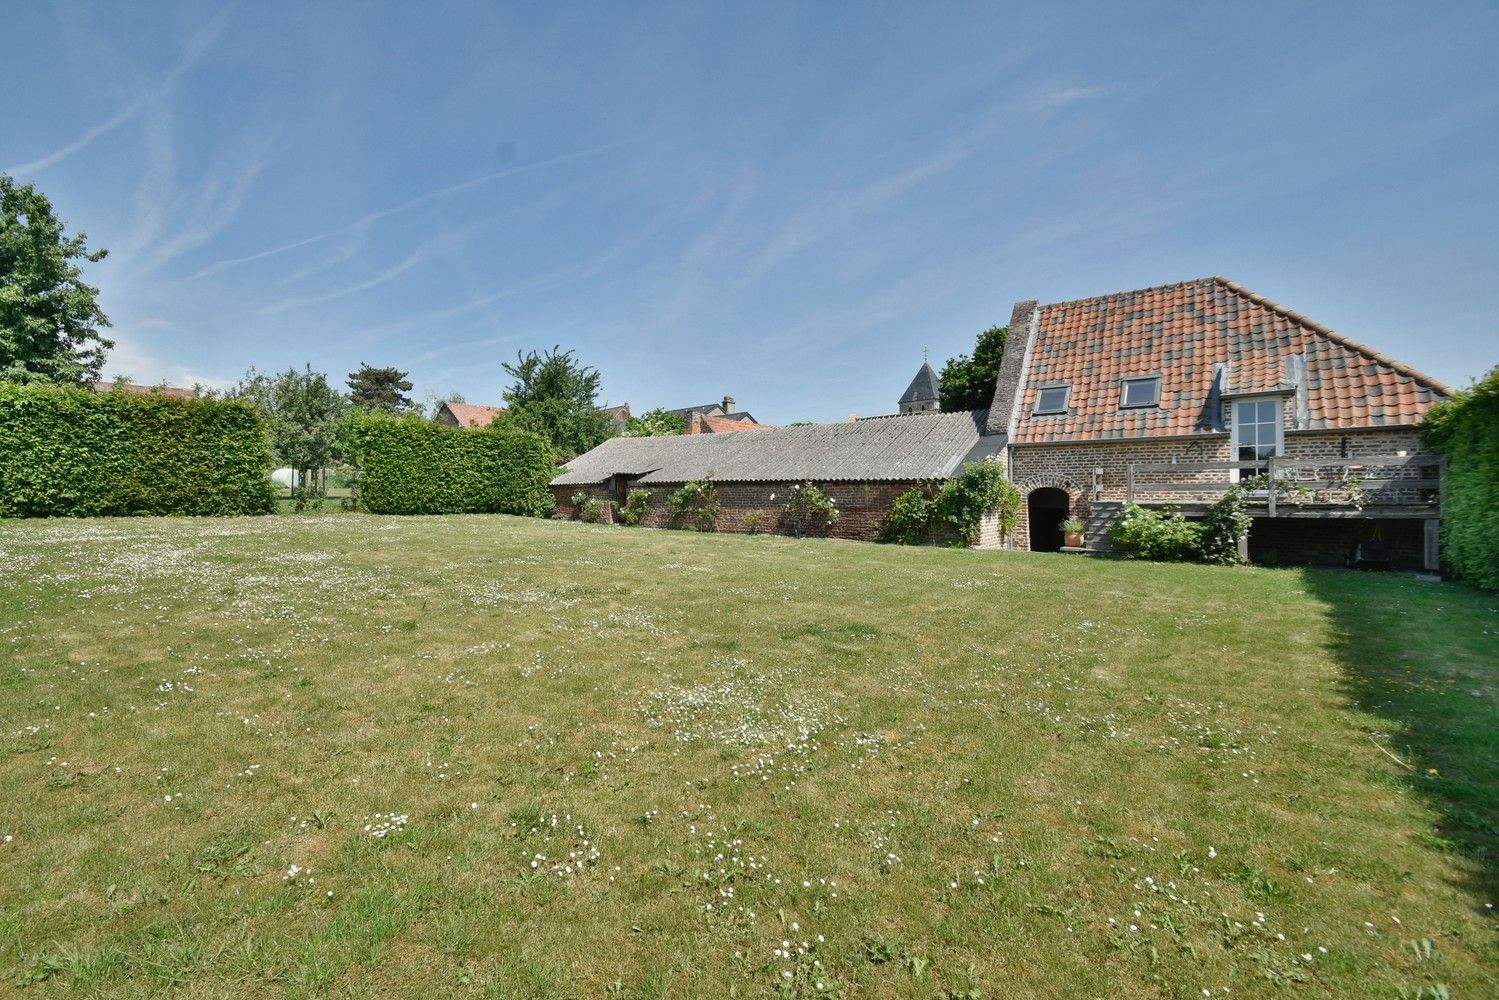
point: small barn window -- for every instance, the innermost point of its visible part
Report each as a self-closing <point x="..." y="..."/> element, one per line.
<point x="1052" y="399"/>
<point x="1141" y="391"/>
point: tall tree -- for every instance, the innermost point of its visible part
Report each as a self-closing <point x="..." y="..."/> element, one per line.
<point x="49" y="318"/>
<point x="555" y="374"/>
<point x="304" y="413"/>
<point x="381" y="390"/>
<point x="555" y="395"/>
<point x="968" y="383"/>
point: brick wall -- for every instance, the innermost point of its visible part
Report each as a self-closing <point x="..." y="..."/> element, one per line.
<point x="567" y="510"/>
<point x="1071" y="467"/>
<point x="862" y="506"/>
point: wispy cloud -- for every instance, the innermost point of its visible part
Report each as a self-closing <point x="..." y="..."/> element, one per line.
<point x="133" y="360"/>
<point x="1049" y="99"/>
<point x="405" y="206"/>
<point x="144" y="98"/>
<point x="556" y="278"/>
<point x="834" y="215"/>
<point x="389" y="274"/>
<point x="219" y="200"/>
<point x="153" y="195"/>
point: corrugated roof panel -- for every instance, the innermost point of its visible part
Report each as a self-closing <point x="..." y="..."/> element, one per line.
<point x="929" y="446"/>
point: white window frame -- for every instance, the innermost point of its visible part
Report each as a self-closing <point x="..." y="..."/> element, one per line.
<point x="1280" y="428"/>
<point x="1066" y="398"/>
<point x="1124" y="384"/>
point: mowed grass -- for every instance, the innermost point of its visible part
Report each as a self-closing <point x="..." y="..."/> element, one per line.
<point x="361" y="756"/>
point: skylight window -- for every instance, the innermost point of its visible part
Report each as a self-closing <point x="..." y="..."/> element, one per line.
<point x="1141" y="391"/>
<point x="1052" y="399"/>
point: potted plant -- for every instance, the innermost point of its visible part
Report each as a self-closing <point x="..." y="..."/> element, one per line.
<point x="1072" y="531"/>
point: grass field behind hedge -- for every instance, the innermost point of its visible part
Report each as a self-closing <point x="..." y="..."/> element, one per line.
<point x="350" y="755"/>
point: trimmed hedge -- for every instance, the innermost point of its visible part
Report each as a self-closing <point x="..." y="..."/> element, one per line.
<point x="74" y="453"/>
<point x="1466" y="431"/>
<point x="415" y="467"/>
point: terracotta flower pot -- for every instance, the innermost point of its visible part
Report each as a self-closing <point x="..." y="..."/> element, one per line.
<point x="1074" y="539"/>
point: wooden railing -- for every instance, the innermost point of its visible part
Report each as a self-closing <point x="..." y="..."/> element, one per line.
<point x="1293" y="472"/>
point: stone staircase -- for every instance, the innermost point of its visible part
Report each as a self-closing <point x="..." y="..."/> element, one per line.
<point x="1099" y="521"/>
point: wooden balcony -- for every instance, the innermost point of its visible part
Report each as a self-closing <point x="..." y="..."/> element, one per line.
<point x="1404" y="486"/>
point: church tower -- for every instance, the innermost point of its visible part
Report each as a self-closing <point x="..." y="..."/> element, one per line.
<point x="924" y="393"/>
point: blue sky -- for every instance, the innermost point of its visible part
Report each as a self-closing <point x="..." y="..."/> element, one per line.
<point x="783" y="202"/>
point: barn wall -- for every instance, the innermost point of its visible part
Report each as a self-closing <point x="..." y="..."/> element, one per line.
<point x="862" y="506"/>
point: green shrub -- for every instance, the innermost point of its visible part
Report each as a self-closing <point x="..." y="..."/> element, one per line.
<point x="981" y="489"/>
<point x="1168" y="537"/>
<point x="809" y="509"/>
<point x="635" y="507"/>
<point x="752" y="521"/>
<point x="590" y="509"/>
<point x="912" y="519"/>
<point x="1466" y="432"/>
<point x="1223" y="525"/>
<point x="1162" y="536"/>
<point x="696" y="504"/>
<point x="74" y="453"/>
<point x="960" y="504"/>
<point x="414" y="467"/>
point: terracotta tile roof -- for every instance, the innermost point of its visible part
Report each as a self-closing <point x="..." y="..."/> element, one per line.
<point x="1181" y="332"/>
<point x="474" y="415"/>
<point x="173" y="391"/>
<point x="725" y="425"/>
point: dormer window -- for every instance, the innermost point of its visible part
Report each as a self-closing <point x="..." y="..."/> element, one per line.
<point x="1052" y="399"/>
<point x="1145" y="391"/>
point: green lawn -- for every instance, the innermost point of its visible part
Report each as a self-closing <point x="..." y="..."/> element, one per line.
<point x="350" y="755"/>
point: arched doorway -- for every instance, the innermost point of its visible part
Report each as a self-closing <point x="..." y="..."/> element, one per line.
<point x="1046" y="509"/>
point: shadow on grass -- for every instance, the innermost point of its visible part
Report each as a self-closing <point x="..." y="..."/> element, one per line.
<point x="1424" y="657"/>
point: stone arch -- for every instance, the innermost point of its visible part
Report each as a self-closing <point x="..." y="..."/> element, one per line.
<point x="1073" y="490"/>
<point x="1076" y="502"/>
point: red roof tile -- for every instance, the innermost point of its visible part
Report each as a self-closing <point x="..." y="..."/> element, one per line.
<point x="1181" y="332"/>
<point x="474" y="415"/>
<point x="724" y="425"/>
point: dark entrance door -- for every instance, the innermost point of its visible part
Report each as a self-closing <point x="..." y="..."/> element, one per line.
<point x="1047" y="509"/>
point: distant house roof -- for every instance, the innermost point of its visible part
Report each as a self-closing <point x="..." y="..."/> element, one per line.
<point x="708" y="423"/>
<point x="174" y="391"/>
<point x="1191" y="334"/>
<point x="713" y="409"/>
<point x="887" y="448"/>
<point x="471" y="414"/>
<point x="924" y="387"/>
<point x="732" y="424"/>
<point x="619" y="414"/>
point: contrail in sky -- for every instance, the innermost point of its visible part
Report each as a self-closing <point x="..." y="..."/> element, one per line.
<point x="150" y="95"/>
<point x="405" y="206"/>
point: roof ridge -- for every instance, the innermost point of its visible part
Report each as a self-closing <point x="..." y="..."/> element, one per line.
<point x="1133" y="291"/>
<point x="1302" y="320"/>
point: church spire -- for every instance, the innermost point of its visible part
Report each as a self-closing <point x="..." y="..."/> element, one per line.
<point x="924" y="393"/>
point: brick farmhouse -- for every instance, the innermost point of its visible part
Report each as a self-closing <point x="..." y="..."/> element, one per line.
<point x="1164" y="396"/>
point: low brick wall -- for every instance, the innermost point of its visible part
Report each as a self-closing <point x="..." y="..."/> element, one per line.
<point x="862" y="506"/>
